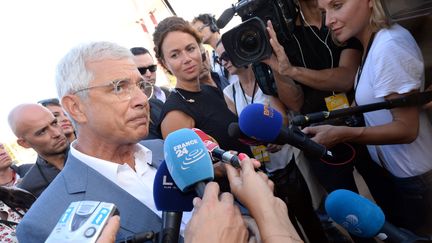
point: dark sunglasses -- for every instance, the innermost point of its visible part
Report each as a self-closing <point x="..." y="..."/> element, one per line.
<point x="224" y="57"/>
<point x="52" y="101"/>
<point x="151" y="68"/>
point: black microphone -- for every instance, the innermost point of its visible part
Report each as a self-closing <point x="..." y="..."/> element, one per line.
<point x="235" y="132"/>
<point x="243" y="8"/>
<point x="409" y="100"/>
<point x="172" y="202"/>
<point x="225" y="17"/>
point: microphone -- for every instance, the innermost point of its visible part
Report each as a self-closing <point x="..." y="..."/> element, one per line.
<point x="263" y="123"/>
<point x="409" y="100"/>
<point x="172" y="202"/>
<point x="243" y="8"/>
<point x="234" y="131"/>
<point x="216" y="151"/>
<point x="225" y="17"/>
<point x="362" y="218"/>
<point x="188" y="161"/>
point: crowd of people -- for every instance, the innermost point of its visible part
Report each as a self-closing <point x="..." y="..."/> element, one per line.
<point x="102" y="139"/>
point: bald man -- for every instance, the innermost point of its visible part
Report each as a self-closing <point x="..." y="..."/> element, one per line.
<point x="36" y="127"/>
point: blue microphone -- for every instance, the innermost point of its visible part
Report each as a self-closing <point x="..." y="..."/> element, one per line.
<point x="264" y="123"/>
<point x="363" y="218"/>
<point x="172" y="202"/>
<point x="188" y="160"/>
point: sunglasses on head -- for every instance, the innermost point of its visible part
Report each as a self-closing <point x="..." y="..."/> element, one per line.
<point x="151" y="68"/>
<point x="223" y="57"/>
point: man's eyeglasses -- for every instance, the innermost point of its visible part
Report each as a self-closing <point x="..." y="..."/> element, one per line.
<point x="223" y="57"/>
<point x="123" y="88"/>
<point x="52" y="101"/>
<point x="151" y="68"/>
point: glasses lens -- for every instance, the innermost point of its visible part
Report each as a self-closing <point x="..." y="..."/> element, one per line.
<point x="151" y="68"/>
<point x="224" y="57"/>
<point x="147" y="88"/>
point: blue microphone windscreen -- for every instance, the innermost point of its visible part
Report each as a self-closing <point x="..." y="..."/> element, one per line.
<point x="187" y="159"/>
<point x="355" y="213"/>
<point x="260" y="122"/>
<point x="167" y="195"/>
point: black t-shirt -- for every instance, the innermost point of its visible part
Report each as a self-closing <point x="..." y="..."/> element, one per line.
<point x="209" y="112"/>
<point x="306" y="50"/>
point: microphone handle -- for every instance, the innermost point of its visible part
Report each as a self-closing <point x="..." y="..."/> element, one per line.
<point x="171" y="222"/>
<point x="393" y="234"/>
<point x="293" y="136"/>
<point x="410" y="100"/>
<point x="199" y="188"/>
<point x="226" y="157"/>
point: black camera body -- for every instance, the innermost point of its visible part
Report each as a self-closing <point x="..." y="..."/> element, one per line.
<point x="249" y="42"/>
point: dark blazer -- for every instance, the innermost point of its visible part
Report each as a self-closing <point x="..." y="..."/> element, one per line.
<point x="21" y="170"/>
<point x="38" y="177"/>
<point x="76" y="182"/>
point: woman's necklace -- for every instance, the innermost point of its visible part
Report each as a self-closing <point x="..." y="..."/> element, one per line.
<point x="180" y="94"/>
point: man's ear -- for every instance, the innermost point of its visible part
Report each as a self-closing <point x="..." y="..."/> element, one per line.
<point x="73" y="106"/>
<point x="23" y="143"/>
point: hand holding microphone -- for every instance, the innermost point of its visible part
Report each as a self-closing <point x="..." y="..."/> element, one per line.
<point x="255" y="191"/>
<point x="264" y="123"/>
<point x="217" y="152"/>
<point x="216" y="219"/>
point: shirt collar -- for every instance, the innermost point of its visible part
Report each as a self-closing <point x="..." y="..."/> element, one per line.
<point x="143" y="158"/>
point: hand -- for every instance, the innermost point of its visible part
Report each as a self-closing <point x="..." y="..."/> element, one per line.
<point x="279" y="61"/>
<point x="273" y="148"/>
<point x="219" y="169"/>
<point x="326" y="135"/>
<point x="109" y="233"/>
<point x="216" y="219"/>
<point x="246" y="184"/>
<point x="255" y="191"/>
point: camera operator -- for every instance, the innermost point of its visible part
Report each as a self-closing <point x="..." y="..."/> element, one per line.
<point x="205" y="24"/>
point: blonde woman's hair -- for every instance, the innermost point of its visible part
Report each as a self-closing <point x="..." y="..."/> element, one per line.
<point x="378" y="19"/>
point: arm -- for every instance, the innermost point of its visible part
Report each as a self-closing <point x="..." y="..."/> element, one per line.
<point x="175" y="120"/>
<point x="215" y="218"/>
<point x="339" y="79"/>
<point x="279" y="106"/>
<point x="255" y="191"/>
<point x="402" y="129"/>
<point x="230" y="104"/>
<point x="289" y="92"/>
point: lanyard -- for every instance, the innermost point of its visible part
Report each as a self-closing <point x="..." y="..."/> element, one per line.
<point x="364" y="60"/>
<point x="253" y="94"/>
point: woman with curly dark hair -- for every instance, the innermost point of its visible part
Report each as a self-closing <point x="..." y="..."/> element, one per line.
<point x="177" y="48"/>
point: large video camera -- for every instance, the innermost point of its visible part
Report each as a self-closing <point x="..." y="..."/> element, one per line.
<point x="248" y="42"/>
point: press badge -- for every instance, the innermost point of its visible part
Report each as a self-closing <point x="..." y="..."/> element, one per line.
<point x="337" y="101"/>
<point x="260" y="153"/>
